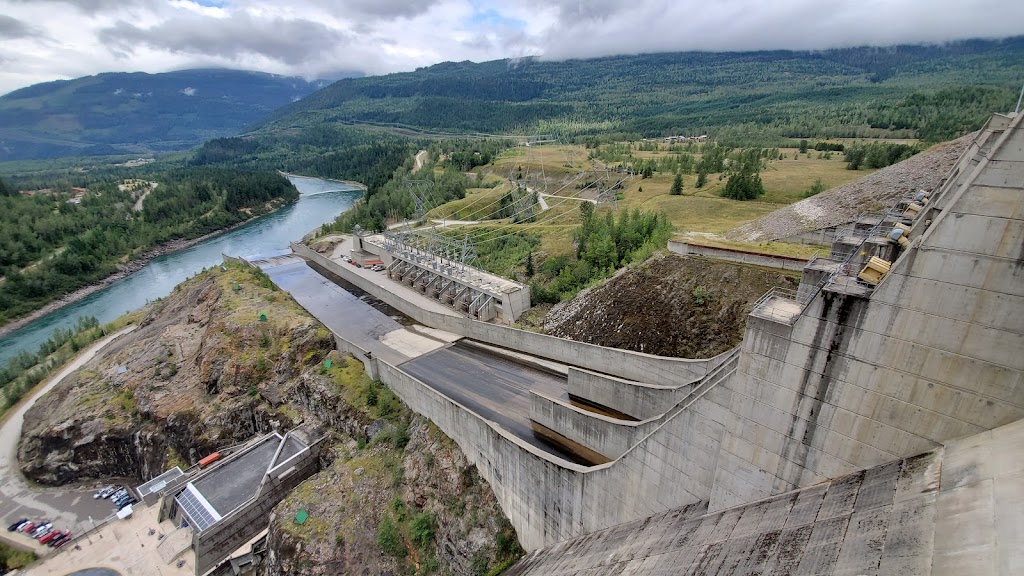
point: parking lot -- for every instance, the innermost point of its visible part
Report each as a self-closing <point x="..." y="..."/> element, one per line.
<point x="67" y="507"/>
<point x="131" y="547"/>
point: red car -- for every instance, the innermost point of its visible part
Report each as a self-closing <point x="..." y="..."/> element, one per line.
<point x="27" y="527"/>
<point x="46" y="538"/>
<point x="61" y="535"/>
<point x="62" y="541"/>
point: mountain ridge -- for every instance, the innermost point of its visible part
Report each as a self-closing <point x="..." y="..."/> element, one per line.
<point x="935" y="92"/>
<point x="137" y="112"/>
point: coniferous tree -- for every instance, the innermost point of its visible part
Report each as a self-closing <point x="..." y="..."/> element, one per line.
<point x="677" y="185"/>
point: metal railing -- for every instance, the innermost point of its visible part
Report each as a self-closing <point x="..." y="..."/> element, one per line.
<point x="786" y="305"/>
<point x="891" y="217"/>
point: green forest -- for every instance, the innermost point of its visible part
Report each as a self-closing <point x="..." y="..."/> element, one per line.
<point x="338" y="152"/>
<point x="50" y="246"/>
<point x="741" y="99"/>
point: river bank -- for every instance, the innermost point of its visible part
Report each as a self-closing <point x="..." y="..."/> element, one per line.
<point x="154" y="274"/>
<point x="350" y="183"/>
<point x="124" y="270"/>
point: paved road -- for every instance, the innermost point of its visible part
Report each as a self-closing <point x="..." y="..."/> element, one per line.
<point x="67" y="507"/>
<point x="138" y="203"/>
<point x="353" y="317"/>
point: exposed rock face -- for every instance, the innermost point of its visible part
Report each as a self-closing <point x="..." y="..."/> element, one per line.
<point x="201" y="372"/>
<point x="671" y="305"/>
<point x="428" y="482"/>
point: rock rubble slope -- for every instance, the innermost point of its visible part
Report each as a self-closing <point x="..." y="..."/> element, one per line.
<point x="686" y="307"/>
<point x="874" y="192"/>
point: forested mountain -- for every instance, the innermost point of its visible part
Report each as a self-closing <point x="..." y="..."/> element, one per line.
<point x="931" y="92"/>
<point x="137" y="112"/>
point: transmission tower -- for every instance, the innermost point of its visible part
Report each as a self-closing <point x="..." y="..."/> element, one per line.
<point x="422" y="192"/>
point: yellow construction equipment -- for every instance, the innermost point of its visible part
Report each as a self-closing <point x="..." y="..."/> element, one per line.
<point x="874" y="270"/>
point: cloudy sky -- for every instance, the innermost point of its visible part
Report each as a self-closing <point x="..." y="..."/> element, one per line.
<point x="44" y="40"/>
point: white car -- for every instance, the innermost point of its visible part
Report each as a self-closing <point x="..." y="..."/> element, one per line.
<point x="377" y="268"/>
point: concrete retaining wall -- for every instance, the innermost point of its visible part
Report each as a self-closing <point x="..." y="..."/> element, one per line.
<point x="609" y="437"/>
<point x="358" y="353"/>
<point x="622" y="363"/>
<point x="741" y="256"/>
<point x="540" y="494"/>
<point x="641" y="401"/>
<point x="548" y="499"/>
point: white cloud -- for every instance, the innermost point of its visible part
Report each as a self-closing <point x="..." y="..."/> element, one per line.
<point x="190" y="91"/>
<point x="51" y="39"/>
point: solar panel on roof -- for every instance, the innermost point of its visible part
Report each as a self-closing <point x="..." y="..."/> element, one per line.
<point x="199" y="511"/>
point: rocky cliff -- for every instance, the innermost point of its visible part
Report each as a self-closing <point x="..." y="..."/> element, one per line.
<point x="201" y="372"/>
<point x="399" y="499"/>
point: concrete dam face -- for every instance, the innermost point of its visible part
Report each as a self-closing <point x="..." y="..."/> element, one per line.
<point x="907" y="337"/>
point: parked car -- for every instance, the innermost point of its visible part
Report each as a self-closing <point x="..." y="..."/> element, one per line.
<point x="27" y="527"/>
<point x="62" y="535"/>
<point x="46" y="538"/>
<point x="112" y="491"/>
<point x="41" y="529"/>
<point x="103" y="492"/>
<point x="15" y="526"/>
<point x="377" y="268"/>
<point x="127" y="502"/>
<point x="64" y="540"/>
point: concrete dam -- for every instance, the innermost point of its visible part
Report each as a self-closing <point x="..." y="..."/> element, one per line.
<point x="848" y="400"/>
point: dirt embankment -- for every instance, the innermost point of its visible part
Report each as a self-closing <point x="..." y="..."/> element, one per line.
<point x="875" y="192"/>
<point x="672" y="305"/>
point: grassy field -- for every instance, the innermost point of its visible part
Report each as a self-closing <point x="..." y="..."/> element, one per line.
<point x="780" y="248"/>
<point x="478" y="203"/>
<point x="786" y="181"/>
<point x="553" y="168"/>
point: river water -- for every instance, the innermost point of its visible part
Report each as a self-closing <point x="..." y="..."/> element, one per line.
<point x="320" y="201"/>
